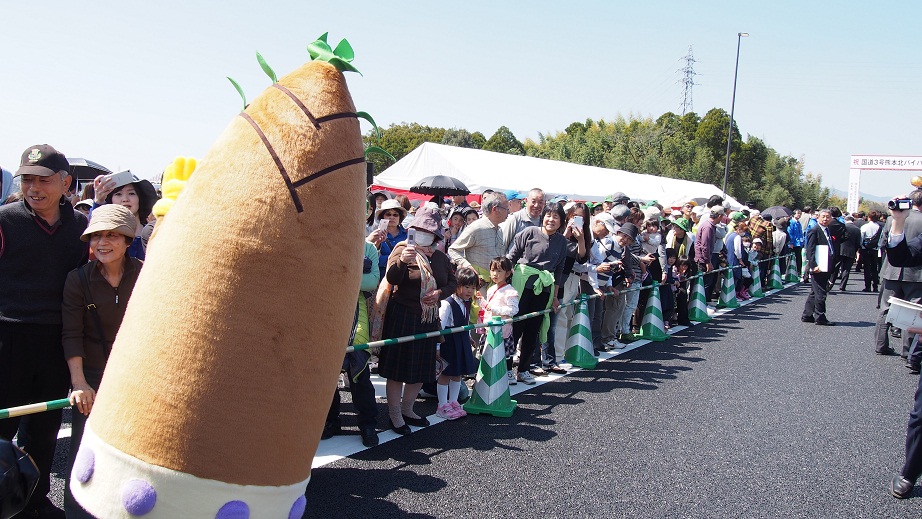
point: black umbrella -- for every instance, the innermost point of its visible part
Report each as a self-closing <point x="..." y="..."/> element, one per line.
<point x="85" y="170"/>
<point x="777" y="211"/>
<point x="440" y="185"/>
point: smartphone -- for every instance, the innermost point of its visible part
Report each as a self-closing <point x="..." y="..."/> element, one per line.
<point x="382" y="225"/>
<point x="578" y="222"/>
<point x="411" y="237"/>
<point x="121" y="179"/>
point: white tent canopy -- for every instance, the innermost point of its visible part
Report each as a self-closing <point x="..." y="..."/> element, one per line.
<point x="480" y="170"/>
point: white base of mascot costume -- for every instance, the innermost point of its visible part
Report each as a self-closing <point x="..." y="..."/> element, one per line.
<point x="221" y="376"/>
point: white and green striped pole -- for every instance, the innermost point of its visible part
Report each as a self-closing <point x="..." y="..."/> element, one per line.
<point x="792" y="276"/>
<point x="728" y="292"/>
<point x="803" y="262"/>
<point x="776" y="282"/>
<point x="13" y="412"/>
<point x="697" y="303"/>
<point x="755" y="290"/>
<point x="652" y="327"/>
<point x="491" y="388"/>
<point x="580" y="351"/>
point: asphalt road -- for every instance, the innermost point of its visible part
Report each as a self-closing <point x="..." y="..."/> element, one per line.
<point x="754" y="414"/>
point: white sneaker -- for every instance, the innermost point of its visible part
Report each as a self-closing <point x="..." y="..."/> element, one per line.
<point x="616" y="345"/>
<point x="510" y="377"/>
<point x="526" y="378"/>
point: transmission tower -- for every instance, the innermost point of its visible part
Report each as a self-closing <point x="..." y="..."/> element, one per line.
<point x="688" y="81"/>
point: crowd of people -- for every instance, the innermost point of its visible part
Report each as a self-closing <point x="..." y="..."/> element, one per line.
<point x="516" y="253"/>
<point x="69" y="259"/>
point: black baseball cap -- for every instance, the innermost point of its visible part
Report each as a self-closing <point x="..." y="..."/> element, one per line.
<point x="42" y="160"/>
<point x="630" y="230"/>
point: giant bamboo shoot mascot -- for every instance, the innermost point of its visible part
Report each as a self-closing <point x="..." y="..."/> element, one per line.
<point x="222" y="373"/>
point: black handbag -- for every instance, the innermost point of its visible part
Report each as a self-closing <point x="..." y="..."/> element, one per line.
<point x="18" y="479"/>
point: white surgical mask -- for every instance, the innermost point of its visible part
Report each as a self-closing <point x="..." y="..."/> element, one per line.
<point x="424" y="239"/>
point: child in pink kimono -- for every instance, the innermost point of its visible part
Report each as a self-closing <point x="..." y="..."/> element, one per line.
<point x="503" y="301"/>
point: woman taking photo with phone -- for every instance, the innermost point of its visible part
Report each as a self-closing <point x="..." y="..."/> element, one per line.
<point x="389" y="232"/>
<point x="418" y="277"/>
<point x="124" y="189"/>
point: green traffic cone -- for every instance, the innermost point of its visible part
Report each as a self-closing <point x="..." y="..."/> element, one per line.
<point x="775" y="282"/>
<point x="579" y="351"/>
<point x="697" y="303"/>
<point x="491" y="389"/>
<point x="792" y="276"/>
<point x="653" y="328"/>
<point x="755" y="290"/>
<point x="728" y="292"/>
<point x="803" y="262"/>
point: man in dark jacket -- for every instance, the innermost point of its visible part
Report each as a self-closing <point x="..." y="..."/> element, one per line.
<point x="39" y="244"/>
<point x="819" y="263"/>
<point x="848" y="250"/>
<point x="904" y="249"/>
<point x="837" y="233"/>
<point x="902" y="282"/>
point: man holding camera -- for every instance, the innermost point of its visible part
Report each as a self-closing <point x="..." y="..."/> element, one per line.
<point x="907" y="253"/>
<point x="902" y="282"/>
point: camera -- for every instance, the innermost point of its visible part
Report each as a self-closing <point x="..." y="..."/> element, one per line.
<point x="899" y="204"/>
<point x="617" y="274"/>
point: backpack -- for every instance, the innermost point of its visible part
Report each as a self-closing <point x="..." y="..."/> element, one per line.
<point x="872" y="242"/>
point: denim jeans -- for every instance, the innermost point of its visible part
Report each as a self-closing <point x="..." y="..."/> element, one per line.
<point x="631" y="299"/>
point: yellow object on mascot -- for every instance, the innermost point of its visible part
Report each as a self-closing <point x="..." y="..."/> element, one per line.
<point x="222" y="373"/>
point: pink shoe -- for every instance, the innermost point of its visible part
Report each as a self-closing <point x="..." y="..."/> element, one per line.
<point x="446" y="412"/>
<point x="459" y="411"/>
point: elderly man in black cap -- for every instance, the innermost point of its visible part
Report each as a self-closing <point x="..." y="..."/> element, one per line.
<point x="39" y="244"/>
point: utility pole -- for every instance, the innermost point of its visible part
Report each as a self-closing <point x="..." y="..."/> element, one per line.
<point x="739" y="38"/>
<point x="688" y="81"/>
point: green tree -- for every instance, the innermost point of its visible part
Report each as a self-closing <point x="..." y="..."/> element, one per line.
<point x="399" y="140"/>
<point x="503" y="141"/>
<point x="685" y="147"/>
<point x="478" y="140"/>
<point x="462" y="139"/>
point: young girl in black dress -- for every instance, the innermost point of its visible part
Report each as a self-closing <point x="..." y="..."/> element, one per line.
<point x="456" y="350"/>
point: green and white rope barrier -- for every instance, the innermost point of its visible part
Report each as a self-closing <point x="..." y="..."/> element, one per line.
<point x="62" y="403"/>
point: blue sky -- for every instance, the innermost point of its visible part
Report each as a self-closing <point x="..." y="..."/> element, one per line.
<point x="132" y="85"/>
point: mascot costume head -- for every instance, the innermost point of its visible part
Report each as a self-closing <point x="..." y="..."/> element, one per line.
<point x="223" y="370"/>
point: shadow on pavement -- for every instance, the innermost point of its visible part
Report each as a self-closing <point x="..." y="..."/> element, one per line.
<point x="345" y="492"/>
